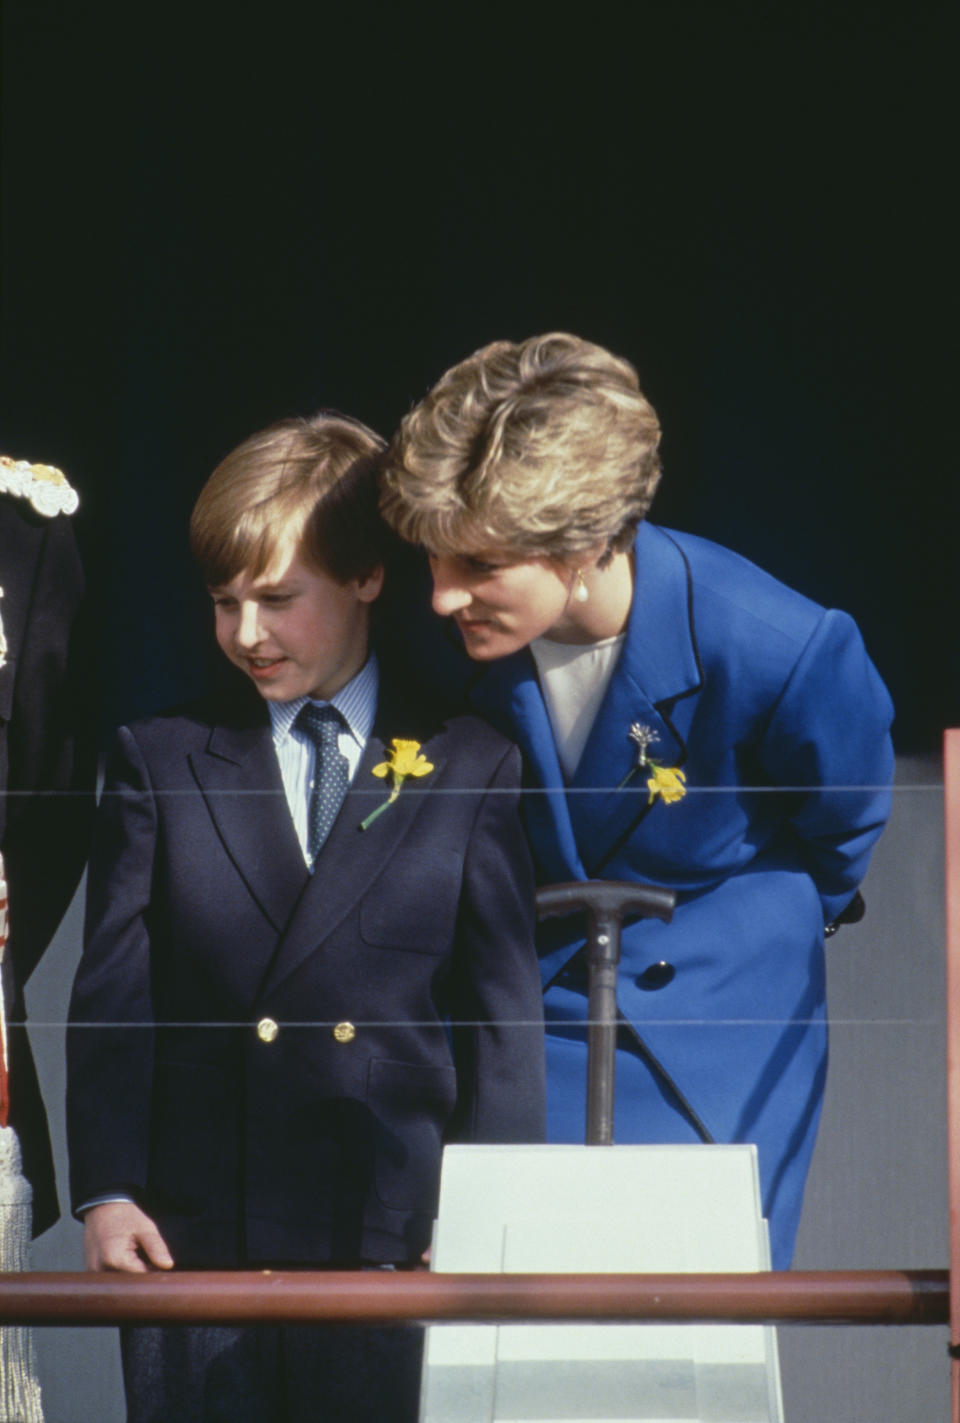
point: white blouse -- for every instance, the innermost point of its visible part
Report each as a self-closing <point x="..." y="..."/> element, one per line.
<point x="574" y="677"/>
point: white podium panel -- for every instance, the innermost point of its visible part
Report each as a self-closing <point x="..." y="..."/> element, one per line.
<point x="529" y="1209"/>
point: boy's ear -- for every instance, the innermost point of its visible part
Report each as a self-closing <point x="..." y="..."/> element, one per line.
<point x="368" y="588"/>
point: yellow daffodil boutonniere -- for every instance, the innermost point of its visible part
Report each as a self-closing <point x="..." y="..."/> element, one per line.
<point x="403" y="760"/>
<point x="667" y="782"/>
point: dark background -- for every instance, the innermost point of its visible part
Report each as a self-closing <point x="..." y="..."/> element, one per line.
<point x="215" y="216"/>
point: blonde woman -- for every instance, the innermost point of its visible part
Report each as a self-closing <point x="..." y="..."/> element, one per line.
<point x="695" y="724"/>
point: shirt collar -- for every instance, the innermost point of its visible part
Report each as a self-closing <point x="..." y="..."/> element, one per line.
<point x="356" y="702"/>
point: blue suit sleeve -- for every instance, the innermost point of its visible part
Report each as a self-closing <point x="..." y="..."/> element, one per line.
<point x="110" y="1035"/>
<point x="828" y="740"/>
<point x="496" y="998"/>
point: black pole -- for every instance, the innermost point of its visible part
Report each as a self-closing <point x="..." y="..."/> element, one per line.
<point x="605" y="902"/>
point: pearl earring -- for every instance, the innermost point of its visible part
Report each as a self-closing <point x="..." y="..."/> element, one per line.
<point x="580" y="592"/>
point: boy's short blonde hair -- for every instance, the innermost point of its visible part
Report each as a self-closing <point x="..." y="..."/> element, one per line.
<point x="545" y="447"/>
<point x="311" y="479"/>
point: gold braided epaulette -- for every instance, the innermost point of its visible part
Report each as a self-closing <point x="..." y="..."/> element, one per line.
<point x="43" y="486"/>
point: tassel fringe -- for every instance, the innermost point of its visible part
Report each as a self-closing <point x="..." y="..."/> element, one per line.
<point x="19" y="1389"/>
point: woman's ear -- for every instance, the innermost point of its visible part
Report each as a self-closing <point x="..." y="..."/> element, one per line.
<point x="586" y="560"/>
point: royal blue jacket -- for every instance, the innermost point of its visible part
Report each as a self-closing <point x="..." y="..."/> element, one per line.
<point x="778" y="719"/>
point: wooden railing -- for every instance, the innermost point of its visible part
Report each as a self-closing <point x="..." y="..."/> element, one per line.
<point x="377" y="1297"/>
<point x="951" y="785"/>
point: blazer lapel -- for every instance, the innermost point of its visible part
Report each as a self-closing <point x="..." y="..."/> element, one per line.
<point x="239" y="777"/>
<point x="508" y="695"/>
<point x="657" y="667"/>
<point x="352" y="858"/>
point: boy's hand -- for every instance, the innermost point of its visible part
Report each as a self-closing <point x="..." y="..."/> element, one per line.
<point x="120" y="1236"/>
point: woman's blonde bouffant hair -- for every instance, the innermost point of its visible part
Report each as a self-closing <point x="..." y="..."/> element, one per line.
<point x="546" y="447"/>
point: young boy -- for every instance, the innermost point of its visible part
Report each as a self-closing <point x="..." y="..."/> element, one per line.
<point x="307" y="963"/>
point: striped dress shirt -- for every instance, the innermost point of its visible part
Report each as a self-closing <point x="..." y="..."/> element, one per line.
<point x="296" y="753"/>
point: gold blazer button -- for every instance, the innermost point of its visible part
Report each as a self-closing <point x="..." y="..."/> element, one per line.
<point x="267" y="1030"/>
<point x="344" y="1032"/>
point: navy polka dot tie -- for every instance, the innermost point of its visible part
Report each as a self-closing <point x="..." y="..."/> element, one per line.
<point x="331" y="773"/>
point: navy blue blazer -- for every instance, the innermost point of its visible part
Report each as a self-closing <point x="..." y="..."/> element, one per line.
<point x="780" y="723"/>
<point x="270" y="1062"/>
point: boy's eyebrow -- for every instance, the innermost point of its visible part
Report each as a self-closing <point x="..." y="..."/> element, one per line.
<point x="281" y="585"/>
